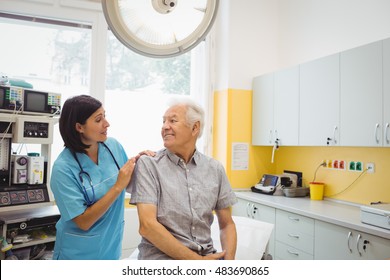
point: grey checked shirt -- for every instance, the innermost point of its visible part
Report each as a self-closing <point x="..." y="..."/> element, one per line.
<point x="185" y="196"/>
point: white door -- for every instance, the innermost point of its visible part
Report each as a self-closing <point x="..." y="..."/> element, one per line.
<point x="333" y="242"/>
<point x="361" y="96"/>
<point x="286" y="106"/>
<point x="320" y="102"/>
<point x="262" y="110"/>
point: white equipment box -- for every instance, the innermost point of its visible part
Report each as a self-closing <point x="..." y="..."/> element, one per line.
<point x="376" y="215"/>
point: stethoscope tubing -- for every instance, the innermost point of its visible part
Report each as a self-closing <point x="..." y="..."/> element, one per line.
<point x="82" y="172"/>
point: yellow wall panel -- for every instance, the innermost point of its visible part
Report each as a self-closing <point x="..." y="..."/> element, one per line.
<point x="233" y="123"/>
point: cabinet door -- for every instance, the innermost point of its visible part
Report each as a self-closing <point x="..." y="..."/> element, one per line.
<point x="262" y="110"/>
<point x="320" y="102"/>
<point x="333" y="242"/>
<point x="241" y="208"/>
<point x="377" y="248"/>
<point x="266" y="214"/>
<point x="286" y="106"/>
<point x="386" y="92"/>
<point x="340" y="243"/>
<point x="259" y="212"/>
<point x="361" y="96"/>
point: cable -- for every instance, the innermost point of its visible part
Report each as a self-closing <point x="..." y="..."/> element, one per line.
<point x="57" y="111"/>
<point x="315" y="172"/>
<point x="275" y="147"/>
<point x="364" y="172"/>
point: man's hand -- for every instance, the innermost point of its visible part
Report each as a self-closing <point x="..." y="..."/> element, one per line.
<point x="216" y="256"/>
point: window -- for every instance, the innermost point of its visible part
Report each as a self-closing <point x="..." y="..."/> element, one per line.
<point x="138" y="89"/>
<point x="49" y="55"/>
<point x="55" y="55"/>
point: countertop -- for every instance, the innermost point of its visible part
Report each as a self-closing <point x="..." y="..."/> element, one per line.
<point x="335" y="212"/>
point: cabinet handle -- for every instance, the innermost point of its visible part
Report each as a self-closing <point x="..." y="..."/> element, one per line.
<point x="248" y="206"/>
<point x="293" y="219"/>
<point x="387" y="133"/>
<point x="292" y="253"/>
<point x="270" y="137"/>
<point x="349" y="238"/>
<point x="376" y="133"/>
<point x="357" y="244"/>
<point x="334" y="134"/>
<point x="293" y="235"/>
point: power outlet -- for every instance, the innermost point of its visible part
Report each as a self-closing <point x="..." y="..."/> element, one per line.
<point x="359" y="166"/>
<point x="352" y="166"/>
<point x="370" y="167"/>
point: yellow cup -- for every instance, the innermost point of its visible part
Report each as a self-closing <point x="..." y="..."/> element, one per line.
<point x="316" y="190"/>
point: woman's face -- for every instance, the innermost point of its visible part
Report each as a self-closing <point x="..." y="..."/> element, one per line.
<point x="95" y="128"/>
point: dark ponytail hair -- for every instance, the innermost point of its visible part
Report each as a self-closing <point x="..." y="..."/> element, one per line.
<point x="76" y="109"/>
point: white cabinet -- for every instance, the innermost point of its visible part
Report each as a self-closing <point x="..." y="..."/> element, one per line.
<point x="386" y="92"/>
<point x="294" y="237"/>
<point x="263" y="110"/>
<point x="319" y="113"/>
<point x="286" y="106"/>
<point x="333" y="242"/>
<point x="361" y="95"/>
<point x="259" y="212"/>
<point x="275" y="108"/>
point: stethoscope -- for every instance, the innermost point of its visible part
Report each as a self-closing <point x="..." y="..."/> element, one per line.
<point x="84" y="173"/>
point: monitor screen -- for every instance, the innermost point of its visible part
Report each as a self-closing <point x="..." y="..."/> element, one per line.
<point x="270" y="180"/>
<point x="35" y="101"/>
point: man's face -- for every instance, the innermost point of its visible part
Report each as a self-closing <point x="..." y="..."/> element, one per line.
<point x="176" y="133"/>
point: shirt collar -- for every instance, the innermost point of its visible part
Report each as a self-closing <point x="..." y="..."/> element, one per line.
<point x="176" y="160"/>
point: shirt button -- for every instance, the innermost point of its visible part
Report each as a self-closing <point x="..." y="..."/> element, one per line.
<point x="190" y="189"/>
<point x="193" y="228"/>
<point x="188" y="170"/>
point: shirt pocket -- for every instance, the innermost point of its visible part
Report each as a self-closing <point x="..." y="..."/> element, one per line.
<point x="80" y="247"/>
<point x="205" y="196"/>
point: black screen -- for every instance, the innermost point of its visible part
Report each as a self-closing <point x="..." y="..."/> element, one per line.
<point x="35" y="101"/>
<point x="2" y="93"/>
<point x="270" y="180"/>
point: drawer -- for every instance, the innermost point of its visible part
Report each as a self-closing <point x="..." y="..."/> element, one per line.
<point x="299" y="241"/>
<point x="295" y="230"/>
<point x="286" y="252"/>
<point x="295" y="223"/>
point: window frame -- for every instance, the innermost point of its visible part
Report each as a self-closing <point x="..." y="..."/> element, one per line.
<point x="90" y="13"/>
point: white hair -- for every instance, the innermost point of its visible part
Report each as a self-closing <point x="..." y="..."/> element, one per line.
<point x="194" y="112"/>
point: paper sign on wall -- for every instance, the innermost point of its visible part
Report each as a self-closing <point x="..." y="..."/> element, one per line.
<point x="240" y="156"/>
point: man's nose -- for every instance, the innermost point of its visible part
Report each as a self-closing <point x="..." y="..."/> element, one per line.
<point x="165" y="125"/>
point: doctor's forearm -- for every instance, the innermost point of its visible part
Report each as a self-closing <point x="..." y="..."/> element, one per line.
<point x="93" y="213"/>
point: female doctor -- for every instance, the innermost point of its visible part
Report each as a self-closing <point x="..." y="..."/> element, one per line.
<point x="88" y="181"/>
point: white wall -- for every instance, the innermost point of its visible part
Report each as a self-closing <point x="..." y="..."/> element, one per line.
<point x="245" y="41"/>
<point x="266" y="35"/>
<point x="310" y="29"/>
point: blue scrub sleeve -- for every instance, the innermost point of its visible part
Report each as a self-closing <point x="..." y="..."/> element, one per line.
<point x="67" y="193"/>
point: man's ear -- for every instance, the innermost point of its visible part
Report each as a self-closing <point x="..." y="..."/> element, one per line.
<point x="196" y="128"/>
<point x="79" y="128"/>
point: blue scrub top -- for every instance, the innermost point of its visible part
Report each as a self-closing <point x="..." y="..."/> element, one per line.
<point x="103" y="241"/>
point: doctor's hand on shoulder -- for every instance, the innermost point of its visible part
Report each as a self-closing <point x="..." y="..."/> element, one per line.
<point x="127" y="169"/>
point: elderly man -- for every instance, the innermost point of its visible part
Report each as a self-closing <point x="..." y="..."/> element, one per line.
<point x="177" y="191"/>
